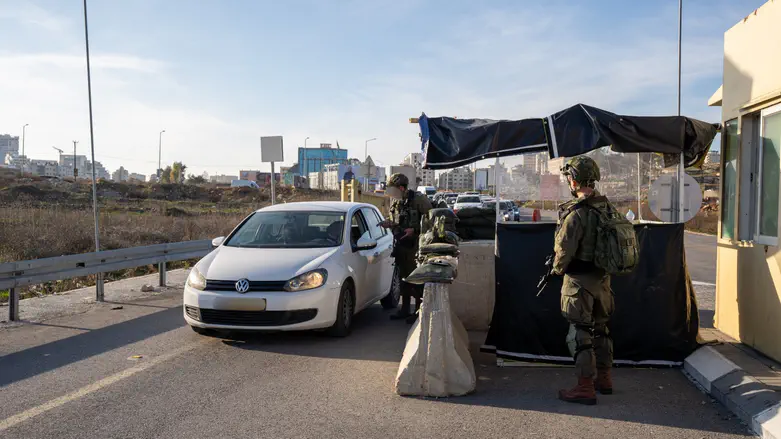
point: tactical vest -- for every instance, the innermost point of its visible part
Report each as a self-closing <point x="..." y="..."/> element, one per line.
<point x="402" y="212"/>
<point x="584" y="256"/>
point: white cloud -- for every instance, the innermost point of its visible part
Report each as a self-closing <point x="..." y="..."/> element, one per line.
<point x="32" y="15"/>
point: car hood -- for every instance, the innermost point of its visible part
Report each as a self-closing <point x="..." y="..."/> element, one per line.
<point x="262" y="264"/>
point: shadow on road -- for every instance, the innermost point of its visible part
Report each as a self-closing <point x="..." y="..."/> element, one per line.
<point x="50" y="356"/>
<point x="374" y="337"/>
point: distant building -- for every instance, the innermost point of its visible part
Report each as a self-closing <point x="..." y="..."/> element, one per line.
<point x="120" y="175"/>
<point x="289" y="174"/>
<point x="713" y="157"/>
<point x="153" y="178"/>
<point x="427" y="176"/>
<point x="13" y="160"/>
<point x="315" y="159"/>
<point x="137" y="177"/>
<point x="555" y="165"/>
<point x="43" y="168"/>
<point x="66" y="165"/>
<point x="529" y="162"/>
<point x="458" y="179"/>
<point x="222" y="179"/>
<point x="8" y="144"/>
<point x="541" y="163"/>
<point x="316" y="180"/>
<point x="261" y="178"/>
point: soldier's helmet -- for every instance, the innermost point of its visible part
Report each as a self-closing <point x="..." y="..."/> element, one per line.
<point x="583" y="169"/>
<point x="398" y="180"/>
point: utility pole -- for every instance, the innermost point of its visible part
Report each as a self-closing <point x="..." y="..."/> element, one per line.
<point x="24" y="160"/>
<point x="99" y="277"/>
<point x="75" y="171"/>
<point x="160" y="156"/>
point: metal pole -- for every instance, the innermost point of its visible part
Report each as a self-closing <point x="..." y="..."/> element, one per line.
<point x="13" y="305"/>
<point x="160" y="156"/>
<point x="639" y="206"/>
<point x="99" y="284"/>
<point x="161" y="268"/>
<point x="496" y="186"/>
<point x="24" y="159"/>
<point x="75" y="172"/>
<point x="678" y="217"/>
<point x="273" y="185"/>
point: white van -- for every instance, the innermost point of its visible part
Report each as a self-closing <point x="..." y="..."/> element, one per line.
<point x="244" y="183"/>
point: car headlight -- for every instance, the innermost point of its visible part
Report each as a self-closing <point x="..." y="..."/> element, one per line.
<point x="196" y="280"/>
<point x="307" y="281"/>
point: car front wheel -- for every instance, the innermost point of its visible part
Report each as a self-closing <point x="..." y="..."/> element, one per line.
<point x="344" y="312"/>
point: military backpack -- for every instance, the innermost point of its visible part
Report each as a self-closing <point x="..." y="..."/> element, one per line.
<point x="616" y="249"/>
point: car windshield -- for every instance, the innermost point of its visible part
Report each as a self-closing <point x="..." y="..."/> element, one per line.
<point x="289" y="230"/>
<point x="506" y="205"/>
<point x="469" y="199"/>
<point x="489" y="204"/>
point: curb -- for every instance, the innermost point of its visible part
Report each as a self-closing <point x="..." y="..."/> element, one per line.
<point x="752" y="401"/>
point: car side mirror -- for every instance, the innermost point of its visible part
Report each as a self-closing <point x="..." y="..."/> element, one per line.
<point x="365" y="242"/>
<point x="216" y="242"/>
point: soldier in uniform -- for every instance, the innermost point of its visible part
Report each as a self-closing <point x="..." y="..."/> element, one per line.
<point x="586" y="297"/>
<point x="406" y="211"/>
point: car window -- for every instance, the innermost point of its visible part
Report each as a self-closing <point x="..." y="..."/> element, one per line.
<point x="357" y="228"/>
<point x="295" y="229"/>
<point x="375" y="231"/>
<point x="381" y="231"/>
<point x="469" y="199"/>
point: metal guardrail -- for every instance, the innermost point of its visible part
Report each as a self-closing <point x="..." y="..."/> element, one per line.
<point x="22" y="273"/>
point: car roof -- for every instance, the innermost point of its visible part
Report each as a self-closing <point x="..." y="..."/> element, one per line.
<point x="303" y="206"/>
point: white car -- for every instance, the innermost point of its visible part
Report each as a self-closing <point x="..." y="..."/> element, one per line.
<point x="294" y="266"/>
<point x="464" y="201"/>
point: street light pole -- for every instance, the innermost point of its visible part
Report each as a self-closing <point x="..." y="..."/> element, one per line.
<point x="75" y="172"/>
<point x="99" y="280"/>
<point x="160" y="156"/>
<point x="23" y="136"/>
<point x="366" y="162"/>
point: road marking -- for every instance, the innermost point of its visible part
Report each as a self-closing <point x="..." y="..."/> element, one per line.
<point x="91" y="388"/>
<point x="703" y="284"/>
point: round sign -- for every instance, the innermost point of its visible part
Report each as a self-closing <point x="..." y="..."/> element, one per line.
<point x="664" y="193"/>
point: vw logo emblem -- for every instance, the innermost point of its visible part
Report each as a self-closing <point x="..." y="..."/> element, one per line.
<point x="242" y="286"/>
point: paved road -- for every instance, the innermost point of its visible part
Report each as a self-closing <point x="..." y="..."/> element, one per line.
<point x="701" y="257"/>
<point x="75" y="377"/>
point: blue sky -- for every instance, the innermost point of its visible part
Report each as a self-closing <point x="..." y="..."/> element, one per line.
<point x="217" y="75"/>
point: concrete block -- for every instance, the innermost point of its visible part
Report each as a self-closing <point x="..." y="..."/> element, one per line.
<point x="436" y="360"/>
<point x="472" y="295"/>
<point x="744" y="395"/>
<point x="706" y="365"/>
<point x="768" y="423"/>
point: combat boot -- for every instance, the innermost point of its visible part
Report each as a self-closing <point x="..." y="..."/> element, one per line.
<point x="604" y="382"/>
<point x="583" y="393"/>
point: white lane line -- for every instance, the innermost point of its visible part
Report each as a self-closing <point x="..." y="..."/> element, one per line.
<point x="703" y="284"/>
<point x="91" y="388"/>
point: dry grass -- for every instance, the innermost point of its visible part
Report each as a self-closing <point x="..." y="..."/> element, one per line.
<point x="32" y="233"/>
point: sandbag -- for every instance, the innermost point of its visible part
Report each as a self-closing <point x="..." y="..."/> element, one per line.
<point x="432" y="272"/>
<point x="436" y="360"/>
<point x="440" y="249"/>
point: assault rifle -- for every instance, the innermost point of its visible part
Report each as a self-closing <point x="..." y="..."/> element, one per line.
<point x="548" y="273"/>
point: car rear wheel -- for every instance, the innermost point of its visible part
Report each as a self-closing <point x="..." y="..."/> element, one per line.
<point x="391" y="301"/>
<point x="344" y="312"/>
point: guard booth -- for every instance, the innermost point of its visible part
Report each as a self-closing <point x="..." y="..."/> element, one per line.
<point x="656" y="322"/>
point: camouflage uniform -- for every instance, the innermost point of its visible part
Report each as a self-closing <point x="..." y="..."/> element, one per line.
<point x="407" y="213"/>
<point x="586" y="298"/>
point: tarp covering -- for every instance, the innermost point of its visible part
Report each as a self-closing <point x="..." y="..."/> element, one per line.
<point x="655" y="320"/>
<point x="449" y="142"/>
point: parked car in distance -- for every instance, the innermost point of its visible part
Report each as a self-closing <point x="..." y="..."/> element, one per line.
<point x="244" y="183"/>
<point x="464" y="201"/>
<point x="294" y="266"/>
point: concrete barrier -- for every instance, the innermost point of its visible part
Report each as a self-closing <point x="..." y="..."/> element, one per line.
<point x="472" y="294"/>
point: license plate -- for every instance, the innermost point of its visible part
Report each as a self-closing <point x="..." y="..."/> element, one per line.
<point x="240" y="304"/>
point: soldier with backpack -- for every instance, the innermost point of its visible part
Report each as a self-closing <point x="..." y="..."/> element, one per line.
<point x="592" y="242"/>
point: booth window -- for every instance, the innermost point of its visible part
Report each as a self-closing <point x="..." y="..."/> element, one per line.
<point x="729" y="172"/>
<point x="769" y="167"/>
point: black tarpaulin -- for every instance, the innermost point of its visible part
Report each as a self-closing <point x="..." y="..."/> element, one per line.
<point x="450" y="142"/>
<point x="655" y="320"/>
